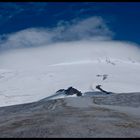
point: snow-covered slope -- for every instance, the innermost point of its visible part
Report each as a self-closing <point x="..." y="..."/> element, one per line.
<point x="28" y="75"/>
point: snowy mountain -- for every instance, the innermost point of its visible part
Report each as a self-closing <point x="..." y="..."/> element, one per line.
<point x="31" y="74"/>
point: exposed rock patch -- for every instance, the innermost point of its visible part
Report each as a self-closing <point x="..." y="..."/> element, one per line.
<point x="113" y="115"/>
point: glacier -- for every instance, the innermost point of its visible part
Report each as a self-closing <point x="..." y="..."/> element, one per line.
<point x="31" y="74"/>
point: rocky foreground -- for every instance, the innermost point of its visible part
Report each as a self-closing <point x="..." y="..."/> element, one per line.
<point x="113" y="115"/>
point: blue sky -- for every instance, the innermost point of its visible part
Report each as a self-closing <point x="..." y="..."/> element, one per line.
<point x="122" y="18"/>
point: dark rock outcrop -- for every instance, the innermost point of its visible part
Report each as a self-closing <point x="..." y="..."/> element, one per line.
<point x="99" y="87"/>
<point x="70" y="91"/>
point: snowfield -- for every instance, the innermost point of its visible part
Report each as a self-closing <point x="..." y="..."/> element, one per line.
<point x="31" y="74"/>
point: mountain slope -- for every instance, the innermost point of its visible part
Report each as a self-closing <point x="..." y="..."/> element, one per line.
<point x="30" y="74"/>
<point x="113" y="116"/>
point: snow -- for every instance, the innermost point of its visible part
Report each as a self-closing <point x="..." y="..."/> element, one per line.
<point x="31" y="74"/>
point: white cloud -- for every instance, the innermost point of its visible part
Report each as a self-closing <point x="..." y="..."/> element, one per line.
<point x="93" y="28"/>
<point x="26" y="38"/>
<point x="86" y="29"/>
